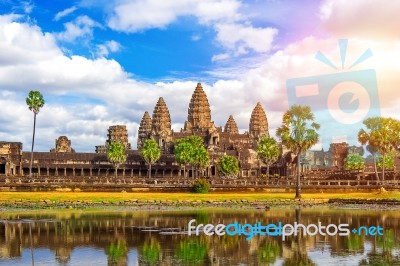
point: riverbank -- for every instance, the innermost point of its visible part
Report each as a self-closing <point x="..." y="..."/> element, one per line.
<point x="39" y="200"/>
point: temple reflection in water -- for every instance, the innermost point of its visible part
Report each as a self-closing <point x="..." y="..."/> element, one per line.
<point x="131" y="238"/>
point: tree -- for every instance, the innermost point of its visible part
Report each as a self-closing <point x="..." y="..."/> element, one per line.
<point x="34" y="101"/>
<point x="389" y="162"/>
<point x="116" y="155"/>
<point x="228" y="165"/>
<point x="383" y="134"/>
<point x="150" y="153"/>
<point x="200" y="158"/>
<point x="298" y="133"/>
<point x="191" y="150"/>
<point x="183" y="151"/>
<point x="268" y="151"/>
<point x="354" y="161"/>
<point x="374" y="151"/>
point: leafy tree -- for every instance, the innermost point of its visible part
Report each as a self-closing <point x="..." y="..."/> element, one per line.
<point x="298" y="133"/>
<point x="268" y="151"/>
<point x="382" y="133"/>
<point x="200" y="158"/>
<point x="34" y="101"/>
<point x="150" y="153"/>
<point x="183" y="151"/>
<point x="191" y="150"/>
<point x="116" y="155"/>
<point x="389" y="162"/>
<point x="354" y="161"/>
<point x="374" y="152"/>
<point x="228" y="165"/>
<point x="201" y="186"/>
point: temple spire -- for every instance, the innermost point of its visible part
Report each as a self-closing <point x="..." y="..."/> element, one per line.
<point x="199" y="112"/>
<point x="258" y="122"/>
<point x="144" y="129"/>
<point x="231" y="126"/>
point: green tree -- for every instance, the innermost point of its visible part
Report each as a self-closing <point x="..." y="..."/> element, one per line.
<point x="298" y="133"/>
<point x="150" y="153"/>
<point x="191" y="150"/>
<point x="228" y="165"/>
<point x="389" y="162"/>
<point x="183" y="151"/>
<point x="354" y="161"/>
<point x="374" y="152"/>
<point x="34" y="101"/>
<point x="382" y="133"/>
<point x="268" y="151"/>
<point x="200" y="158"/>
<point x="116" y="155"/>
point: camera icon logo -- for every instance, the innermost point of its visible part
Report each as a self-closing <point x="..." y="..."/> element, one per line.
<point x="339" y="101"/>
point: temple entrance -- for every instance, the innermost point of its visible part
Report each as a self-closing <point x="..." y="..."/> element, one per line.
<point x="2" y="166"/>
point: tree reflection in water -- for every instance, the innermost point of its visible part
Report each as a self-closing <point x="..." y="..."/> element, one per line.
<point x="114" y="237"/>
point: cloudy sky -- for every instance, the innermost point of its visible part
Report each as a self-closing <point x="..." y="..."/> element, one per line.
<point x="105" y="62"/>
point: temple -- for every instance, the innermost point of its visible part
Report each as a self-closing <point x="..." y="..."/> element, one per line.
<point x="63" y="160"/>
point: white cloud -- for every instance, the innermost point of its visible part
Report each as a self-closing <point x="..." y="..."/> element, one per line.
<point x="108" y="47"/>
<point x="234" y="30"/>
<point x="64" y="13"/>
<point x="361" y="18"/>
<point x="219" y="57"/>
<point x="196" y="37"/>
<point x="81" y="27"/>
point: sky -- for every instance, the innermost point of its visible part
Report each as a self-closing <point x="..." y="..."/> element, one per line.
<point x="100" y="63"/>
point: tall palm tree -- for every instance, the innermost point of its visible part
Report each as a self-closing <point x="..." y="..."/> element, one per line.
<point x="298" y="133"/>
<point x="116" y="155"/>
<point x="150" y="152"/>
<point x="34" y="101"/>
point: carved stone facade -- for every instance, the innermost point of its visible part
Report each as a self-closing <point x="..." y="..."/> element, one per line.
<point x="63" y="144"/>
<point x="10" y="158"/>
<point x="144" y="130"/>
<point x="231" y="126"/>
<point x="117" y="133"/>
<point x="258" y="122"/>
<point x="161" y="126"/>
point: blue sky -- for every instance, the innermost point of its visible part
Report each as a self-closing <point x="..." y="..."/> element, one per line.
<point x="101" y="63"/>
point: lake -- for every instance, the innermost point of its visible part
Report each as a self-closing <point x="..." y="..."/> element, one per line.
<point x="112" y="237"/>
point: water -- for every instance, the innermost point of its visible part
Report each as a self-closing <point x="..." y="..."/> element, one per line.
<point x="158" y="238"/>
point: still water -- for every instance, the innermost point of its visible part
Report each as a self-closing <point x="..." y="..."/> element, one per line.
<point x="158" y="238"/>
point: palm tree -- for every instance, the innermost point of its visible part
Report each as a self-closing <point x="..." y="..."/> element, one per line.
<point x="150" y="152"/>
<point x="34" y="101"/>
<point x="383" y="133"/>
<point x="116" y="155"/>
<point x="298" y="133"/>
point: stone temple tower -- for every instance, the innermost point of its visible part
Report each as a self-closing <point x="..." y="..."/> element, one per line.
<point x="199" y="112"/>
<point x="231" y="126"/>
<point x="161" y="125"/>
<point x="144" y="130"/>
<point x="258" y="122"/>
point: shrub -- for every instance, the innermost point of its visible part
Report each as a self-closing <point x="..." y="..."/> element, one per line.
<point x="389" y="163"/>
<point x="354" y="161"/>
<point x="201" y="186"/>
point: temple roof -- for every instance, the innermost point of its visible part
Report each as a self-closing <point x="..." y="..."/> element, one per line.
<point x="145" y="123"/>
<point x="231" y="126"/>
<point x="161" y="120"/>
<point x="199" y="112"/>
<point x="258" y="121"/>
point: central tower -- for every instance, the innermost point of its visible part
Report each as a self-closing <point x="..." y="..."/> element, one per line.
<point x="199" y="112"/>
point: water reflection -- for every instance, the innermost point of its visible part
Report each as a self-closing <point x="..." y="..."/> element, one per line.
<point x="134" y="238"/>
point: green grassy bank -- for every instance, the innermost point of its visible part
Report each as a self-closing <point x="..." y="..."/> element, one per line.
<point x="120" y="196"/>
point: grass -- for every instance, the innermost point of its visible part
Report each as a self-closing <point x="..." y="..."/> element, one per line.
<point x="119" y="196"/>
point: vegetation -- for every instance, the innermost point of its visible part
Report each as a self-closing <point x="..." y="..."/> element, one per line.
<point x="151" y="252"/>
<point x="383" y="134"/>
<point x="201" y="186"/>
<point x="34" y="101"/>
<point x="354" y="161"/>
<point x="268" y="151"/>
<point x="190" y="150"/>
<point x="116" y="252"/>
<point x="116" y="155"/>
<point x="228" y="165"/>
<point x="150" y="153"/>
<point x="389" y="162"/>
<point x="298" y="133"/>
<point x="268" y="253"/>
<point x="374" y="152"/>
<point x="192" y="251"/>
